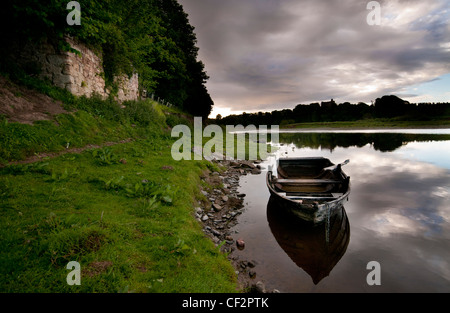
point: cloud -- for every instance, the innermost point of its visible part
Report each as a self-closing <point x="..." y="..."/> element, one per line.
<point x="273" y="54"/>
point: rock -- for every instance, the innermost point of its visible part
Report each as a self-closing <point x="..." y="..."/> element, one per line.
<point x="205" y="218"/>
<point x="241" y="195"/>
<point x="216" y="207"/>
<point x="252" y="274"/>
<point x="256" y="171"/>
<point x="240" y="244"/>
<point x="259" y="287"/>
<point x="247" y="164"/>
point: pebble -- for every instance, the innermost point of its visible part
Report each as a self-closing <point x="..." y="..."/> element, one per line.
<point x="225" y="204"/>
<point x="215" y="232"/>
<point x="259" y="287"/>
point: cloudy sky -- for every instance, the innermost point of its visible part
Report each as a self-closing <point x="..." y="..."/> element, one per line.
<point x="263" y="55"/>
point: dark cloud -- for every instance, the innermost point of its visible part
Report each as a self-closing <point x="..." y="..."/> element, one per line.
<point x="269" y="54"/>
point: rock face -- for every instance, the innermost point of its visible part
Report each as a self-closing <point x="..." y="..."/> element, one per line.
<point x="80" y="73"/>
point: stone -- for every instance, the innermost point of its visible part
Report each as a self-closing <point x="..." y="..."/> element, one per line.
<point x="259" y="287"/>
<point x="256" y="171"/>
<point x="240" y="244"/>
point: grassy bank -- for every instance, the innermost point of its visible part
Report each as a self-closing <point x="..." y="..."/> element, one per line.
<point x="374" y="123"/>
<point x="124" y="212"/>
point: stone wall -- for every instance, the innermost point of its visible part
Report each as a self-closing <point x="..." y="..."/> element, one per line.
<point x="81" y="74"/>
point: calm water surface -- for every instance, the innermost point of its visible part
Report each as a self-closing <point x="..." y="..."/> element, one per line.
<point x="398" y="215"/>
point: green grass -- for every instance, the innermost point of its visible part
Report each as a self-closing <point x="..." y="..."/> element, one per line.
<point x="126" y="238"/>
<point x="374" y="123"/>
<point x="124" y="212"/>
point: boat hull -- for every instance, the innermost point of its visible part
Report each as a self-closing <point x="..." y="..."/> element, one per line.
<point x="316" y="201"/>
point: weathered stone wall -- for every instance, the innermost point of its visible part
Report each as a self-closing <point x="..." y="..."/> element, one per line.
<point x="81" y="74"/>
<point x="128" y="87"/>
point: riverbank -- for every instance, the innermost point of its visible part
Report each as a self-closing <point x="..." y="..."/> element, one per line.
<point x="220" y="213"/>
<point x="97" y="184"/>
<point x="369" y="124"/>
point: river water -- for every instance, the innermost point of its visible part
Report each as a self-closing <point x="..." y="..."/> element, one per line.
<point x="398" y="215"/>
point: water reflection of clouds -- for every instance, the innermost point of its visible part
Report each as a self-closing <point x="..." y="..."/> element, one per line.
<point x="399" y="193"/>
<point x="426" y="152"/>
<point x="399" y="211"/>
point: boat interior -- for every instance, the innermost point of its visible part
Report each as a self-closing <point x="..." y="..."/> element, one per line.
<point x="315" y="181"/>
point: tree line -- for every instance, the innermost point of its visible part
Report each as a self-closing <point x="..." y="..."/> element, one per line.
<point x="151" y="37"/>
<point x="388" y="106"/>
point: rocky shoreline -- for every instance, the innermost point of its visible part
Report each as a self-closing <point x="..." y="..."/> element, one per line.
<point x="220" y="212"/>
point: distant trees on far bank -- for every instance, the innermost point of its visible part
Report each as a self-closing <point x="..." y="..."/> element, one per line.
<point x="389" y="106"/>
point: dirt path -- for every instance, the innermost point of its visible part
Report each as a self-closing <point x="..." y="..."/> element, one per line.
<point x="41" y="156"/>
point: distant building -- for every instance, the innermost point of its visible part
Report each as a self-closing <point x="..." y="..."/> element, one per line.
<point x="328" y="104"/>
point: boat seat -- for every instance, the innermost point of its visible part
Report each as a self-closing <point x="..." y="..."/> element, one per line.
<point x="308" y="181"/>
<point x="310" y="198"/>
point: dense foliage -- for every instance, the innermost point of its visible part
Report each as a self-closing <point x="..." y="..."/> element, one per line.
<point x="152" y="37"/>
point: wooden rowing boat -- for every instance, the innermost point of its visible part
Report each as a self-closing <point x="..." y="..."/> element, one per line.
<point x="309" y="188"/>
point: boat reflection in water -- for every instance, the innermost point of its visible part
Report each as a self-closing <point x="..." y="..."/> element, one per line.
<point x="314" y="248"/>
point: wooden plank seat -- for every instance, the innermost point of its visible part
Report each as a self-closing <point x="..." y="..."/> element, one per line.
<point x="303" y="181"/>
<point x="311" y="196"/>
